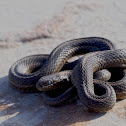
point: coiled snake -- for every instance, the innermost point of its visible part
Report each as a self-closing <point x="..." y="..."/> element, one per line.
<point x="26" y="72"/>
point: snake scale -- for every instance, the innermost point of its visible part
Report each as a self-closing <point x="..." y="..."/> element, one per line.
<point x="28" y="73"/>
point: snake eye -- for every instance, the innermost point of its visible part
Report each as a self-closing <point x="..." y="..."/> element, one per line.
<point x="49" y="82"/>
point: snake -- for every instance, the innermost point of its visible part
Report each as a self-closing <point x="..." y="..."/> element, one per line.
<point x="58" y="88"/>
<point x="26" y="72"/>
<point x="82" y="78"/>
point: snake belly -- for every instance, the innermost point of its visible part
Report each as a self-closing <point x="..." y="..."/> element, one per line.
<point x="82" y="78"/>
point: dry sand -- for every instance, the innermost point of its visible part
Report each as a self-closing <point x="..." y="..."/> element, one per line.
<point x="28" y="27"/>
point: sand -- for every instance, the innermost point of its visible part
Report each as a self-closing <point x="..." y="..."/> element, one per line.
<point x="30" y="27"/>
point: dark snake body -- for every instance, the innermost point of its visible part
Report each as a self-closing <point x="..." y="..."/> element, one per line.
<point x="25" y="73"/>
<point x="82" y="78"/>
<point x="58" y="88"/>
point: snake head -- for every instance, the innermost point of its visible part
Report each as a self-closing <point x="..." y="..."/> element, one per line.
<point x="48" y="82"/>
<point x="53" y="81"/>
<point x="45" y="83"/>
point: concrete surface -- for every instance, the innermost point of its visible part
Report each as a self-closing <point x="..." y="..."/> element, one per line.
<point x="63" y="20"/>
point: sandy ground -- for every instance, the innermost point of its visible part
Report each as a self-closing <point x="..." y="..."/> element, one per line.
<point x="28" y="27"/>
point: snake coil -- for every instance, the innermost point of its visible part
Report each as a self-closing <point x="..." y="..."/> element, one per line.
<point x="42" y="72"/>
